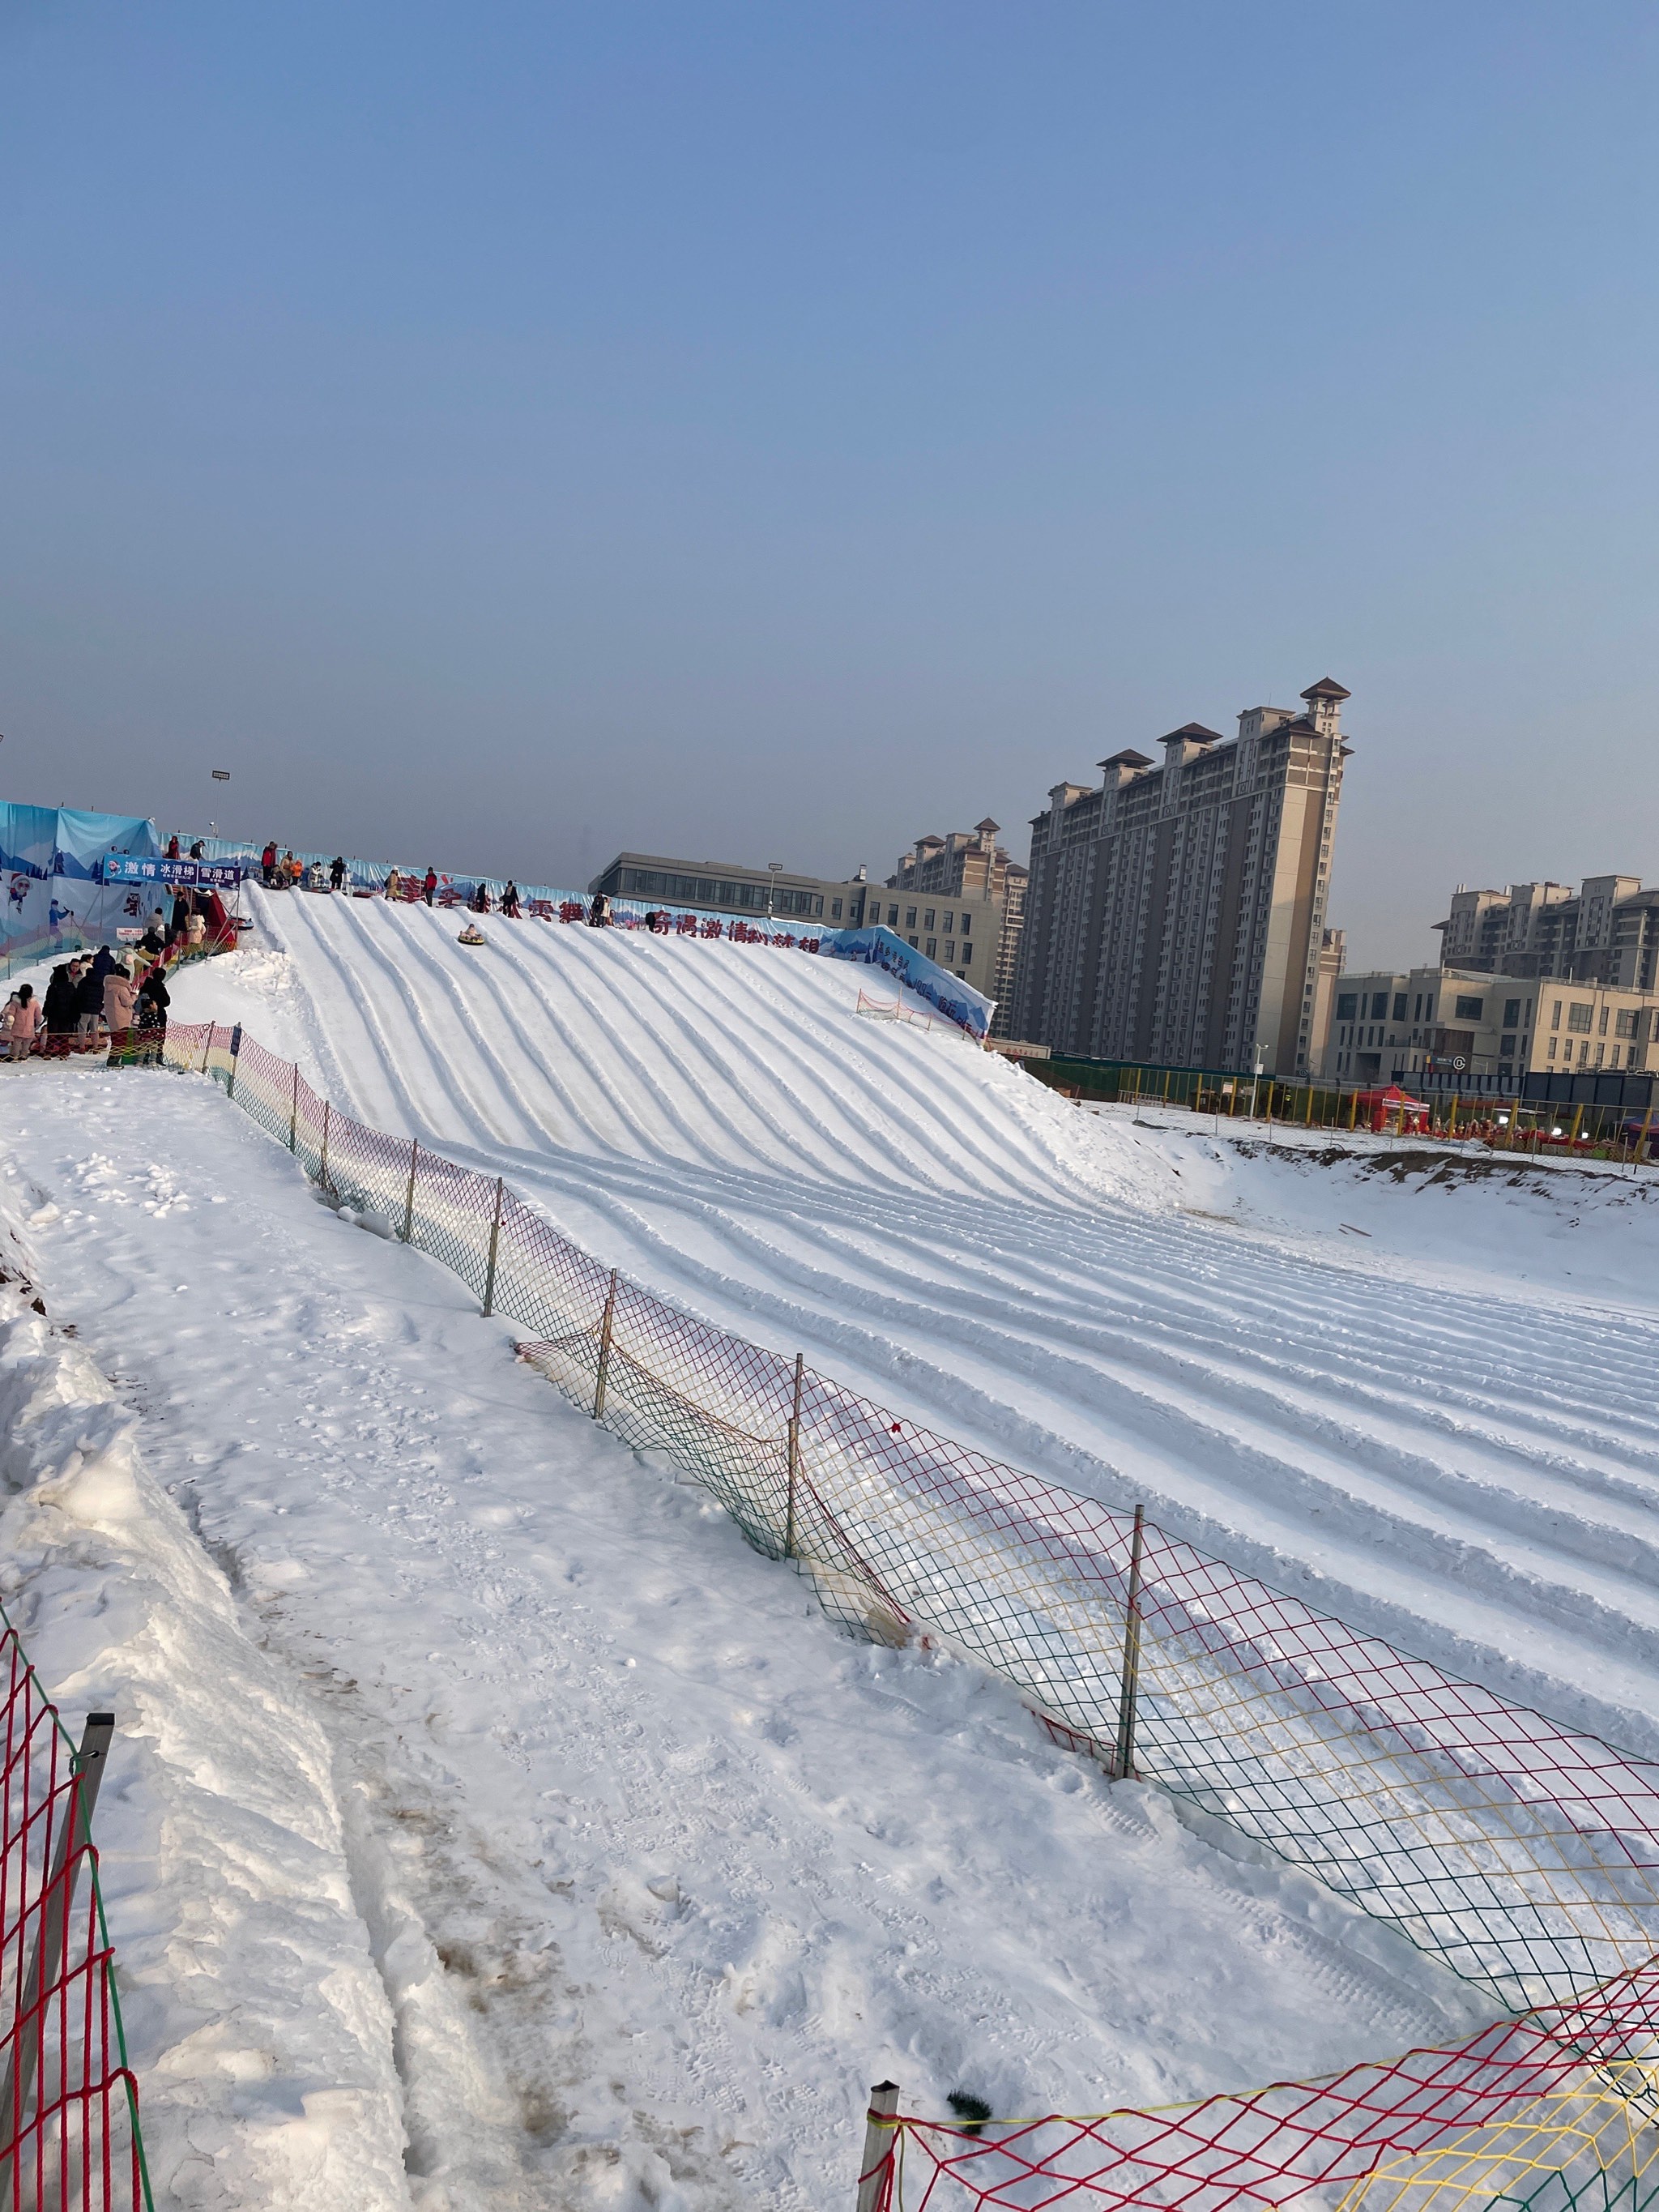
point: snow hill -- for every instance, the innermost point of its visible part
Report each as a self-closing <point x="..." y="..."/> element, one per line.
<point x="1418" y="1403"/>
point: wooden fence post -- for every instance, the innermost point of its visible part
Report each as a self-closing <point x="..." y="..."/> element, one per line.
<point x="409" y="1200"/>
<point x="794" y="1459"/>
<point x="294" y="1111"/>
<point x="57" y="1900"/>
<point x="606" y="1327"/>
<point x="1124" y="1763"/>
<point x="322" y="1162"/>
<point x="494" y="1239"/>
<point x="879" y="2137"/>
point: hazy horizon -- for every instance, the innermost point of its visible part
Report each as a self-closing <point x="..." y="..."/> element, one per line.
<point x="507" y="437"/>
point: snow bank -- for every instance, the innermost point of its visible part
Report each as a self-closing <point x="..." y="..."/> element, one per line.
<point x="256" y="2021"/>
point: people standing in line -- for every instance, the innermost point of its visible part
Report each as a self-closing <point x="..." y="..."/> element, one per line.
<point x="88" y="1001"/>
<point x="20" y="1024"/>
<point x="510" y="900"/>
<point x="481" y="899"/>
<point x="119" y="997"/>
<point x="267" y="865"/>
<point x="60" y="1010"/>
<point x="598" y="912"/>
<point x="394" y="886"/>
<point x="158" y="923"/>
<point x="180" y="917"/>
<point x="196" y="932"/>
<point x="173" y="848"/>
<point x="429" y="888"/>
<point x="153" y="1003"/>
<point x="337" y="872"/>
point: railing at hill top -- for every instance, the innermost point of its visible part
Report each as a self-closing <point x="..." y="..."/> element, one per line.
<point x="69" y="2101"/>
<point x="1522" y="1855"/>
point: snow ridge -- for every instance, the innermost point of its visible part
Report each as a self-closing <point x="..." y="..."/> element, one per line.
<point x="257" y="2023"/>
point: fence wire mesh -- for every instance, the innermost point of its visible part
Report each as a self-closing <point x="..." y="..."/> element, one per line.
<point x="1522" y="1855"/>
<point x="68" y="2100"/>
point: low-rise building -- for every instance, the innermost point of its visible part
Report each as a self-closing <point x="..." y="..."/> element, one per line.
<point x="727" y="887"/>
<point x="1483" y="1033"/>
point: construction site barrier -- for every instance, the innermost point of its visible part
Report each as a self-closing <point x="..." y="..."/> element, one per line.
<point x="68" y="2100"/>
<point x="1522" y="1855"/>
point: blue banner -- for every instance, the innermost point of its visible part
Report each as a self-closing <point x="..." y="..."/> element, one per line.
<point x="880" y="948"/>
<point x="175" y="875"/>
<point x="55" y="899"/>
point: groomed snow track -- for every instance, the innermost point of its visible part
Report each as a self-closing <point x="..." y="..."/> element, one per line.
<point x="1471" y="1473"/>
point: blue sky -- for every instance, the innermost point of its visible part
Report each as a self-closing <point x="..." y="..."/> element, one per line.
<point x="503" y="434"/>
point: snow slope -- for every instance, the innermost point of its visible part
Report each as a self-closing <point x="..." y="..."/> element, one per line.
<point x="656" y="1872"/>
<point x="1437" y="1448"/>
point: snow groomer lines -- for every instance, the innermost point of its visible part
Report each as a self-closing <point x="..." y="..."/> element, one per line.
<point x="1524" y="1856"/>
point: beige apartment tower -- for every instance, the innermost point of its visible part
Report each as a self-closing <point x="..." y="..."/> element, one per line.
<point x="1176" y="914"/>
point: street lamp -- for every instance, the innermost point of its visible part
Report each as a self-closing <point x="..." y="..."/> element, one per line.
<point x="776" y="867"/>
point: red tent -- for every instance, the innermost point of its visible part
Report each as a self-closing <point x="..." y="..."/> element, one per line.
<point x="1393" y="1111"/>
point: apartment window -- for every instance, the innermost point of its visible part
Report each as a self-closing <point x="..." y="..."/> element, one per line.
<point x="1468" y="1010"/>
<point x="1417" y="1007"/>
<point x="967" y="955"/>
<point x="1553" y="1042"/>
<point x="1627" y="1025"/>
<point x="1602" y="1026"/>
<point x="911" y="942"/>
<point x="1601" y="1050"/>
<point x="1400" y="1005"/>
<point x="1506" y="1046"/>
<point x="1555" y="1015"/>
<point x="1511" y="1013"/>
<point x="949" y="924"/>
<point x="909" y="920"/>
<point x="932" y="948"/>
<point x="1379" y="1006"/>
<point x="1428" y="1007"/>
<point x="949" y="953"/>
<point x="1578" y="1016"/>
<point x="967" y="925"/>
<point x="927" y="919"/>
<point x="835" y="909"/>
<point x="1347" y="1006"/>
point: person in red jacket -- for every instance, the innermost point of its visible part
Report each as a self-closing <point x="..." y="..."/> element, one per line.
<point x="429" y="888"/>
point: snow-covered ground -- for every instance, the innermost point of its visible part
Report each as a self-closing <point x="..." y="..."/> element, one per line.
<point x="477" y="1787"/>
<point x="1419" y="1394"/>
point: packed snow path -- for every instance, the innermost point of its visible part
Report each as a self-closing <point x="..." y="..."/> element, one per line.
<point x="658" y="1871"/>
<point x="1468" y="1465"/>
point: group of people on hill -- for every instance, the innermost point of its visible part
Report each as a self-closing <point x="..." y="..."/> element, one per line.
<point x="93" y="997"/>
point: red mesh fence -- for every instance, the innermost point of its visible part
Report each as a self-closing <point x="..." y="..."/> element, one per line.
<point x="1523" y="1855"/>
<point x="69" y="2102"/>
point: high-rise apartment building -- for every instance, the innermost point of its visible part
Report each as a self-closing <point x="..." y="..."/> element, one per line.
<point x="1175" y="914"/>
<point x="960" y="900"/>
<point x="1606" y="932"/>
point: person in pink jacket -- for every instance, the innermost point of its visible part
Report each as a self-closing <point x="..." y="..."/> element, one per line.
<point x="20" y="1021"/>
<point x="119" y="995"/>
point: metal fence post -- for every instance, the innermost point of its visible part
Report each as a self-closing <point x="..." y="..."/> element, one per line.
<point x="294" y="1111"/>
<point x="1123" y="1767"/>
<point x="322" y="1159"/>
<point x="409" y="1201"/>
<point x="494" y="1239"/>
<point x="235" y="1054"/>
<point x="794" y="1460"/>
<point x="876" y="2170"/>
<point x="57" y="1902"/>
<point x="606" y="1327"/>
